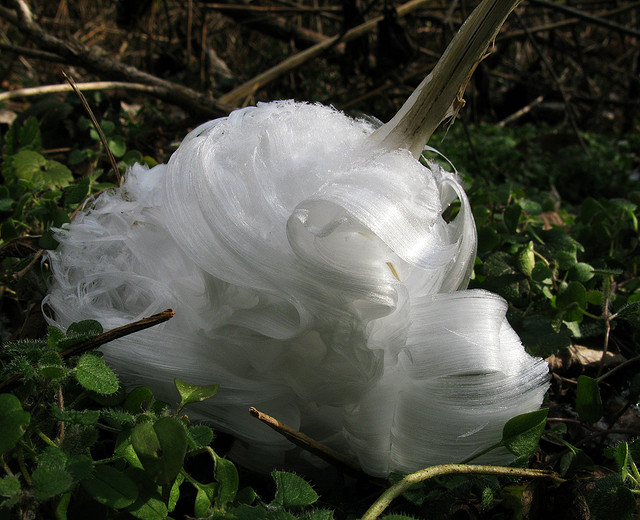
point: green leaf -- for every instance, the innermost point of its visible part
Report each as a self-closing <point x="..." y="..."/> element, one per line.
<point x="199" y="436"/>
<point x="581" y="272"/>
<point x="526" y="260"/>
<point x="29" y="134"/>
<point x="111" y="487"/>
<point x="226" y="476"/>
<point x="246" y="512"/>
<point x="81" y="417"/>
<point x="50" y="481"/>
<point x="246" y="495"/>
<point x="60" y="511"/>
<point x="190" y="393"/>
<point x="488" y="239"/>
<point x="292" y="490"/>
<point x="161" y="447"/>
<point x="77" y="192"/>
<point x="138" y="399"/>
<point x="109" y="400"/>
<point x="174" y="494"/>
<point x="149" y="505"/>
<point x="540" y="338"/>
<point x="572" y="301"/>
<point x="588" y="400"/>
<point x="84" y="329"/>
<point x="56" y="175"/>
<point x="124" y="449"/>
<point x="117" y="145"/>
<point x="620" y="454"/>
<point x="521" y="434"/>
<point x="50" y="365"/>
<point x="36" y="170"/>
<point x="512" y="217"/>
<point x="48" y="240"/>
<point x="204" y="499"/>
<point x="611" y="499"/>
<point x="9" y="486"/>
<point x="13" y="421"/>
<point x="80" y="466"/>
<point x="54" y="337"/>
<point x="52" y="457"/>
<point x="541" y="272"/>
<point x="566" y="259"/>
<point x="118" y="418"/>
<point x="94" y="374"/>
<point x="322" y="514"/>
<point x="575" y="460"/>
<point x="8" y="231"/>
<point x="531" y="207"/>
<point x="153" y="508"/>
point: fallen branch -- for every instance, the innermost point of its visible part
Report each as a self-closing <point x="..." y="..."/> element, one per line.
<point x="240" y="95"/>
<point x="565" y="23"/>
<point x="307" y="443"/>
<point x="587" y="17"/>
<point x="119" y="332"/>
<point x="99" y="340"/>
<point x="64" y="87"/>
<point x="97" y="60"/>
<point x="269" y="24"/>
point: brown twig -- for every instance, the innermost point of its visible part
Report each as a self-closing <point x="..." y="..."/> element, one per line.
<point x="307" y="443"/>
<point x="32" y="53"/>
<point x="63" y="87"/>
<point x="99" y="340"/>
<point x="97" y="60"/>
<point x="96" y="125"/>
<point x="621" y="29"/>
<point x="522" y="112"/>
<point x="556" y="80"/>
<point x="242" y="93"/>
<point x="119" y="332"/>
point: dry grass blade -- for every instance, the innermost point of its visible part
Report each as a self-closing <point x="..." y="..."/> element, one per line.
<point x="96" y="125"/>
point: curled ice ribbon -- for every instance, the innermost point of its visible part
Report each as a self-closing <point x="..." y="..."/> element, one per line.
<point x="314" y="277"/>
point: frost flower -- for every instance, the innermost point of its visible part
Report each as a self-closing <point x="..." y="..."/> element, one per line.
<point x="314" y="277"/>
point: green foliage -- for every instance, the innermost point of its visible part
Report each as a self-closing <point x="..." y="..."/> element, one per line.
<point x="558" y="239"/>
<point x="193" y="393"/>
<point x="521" y="434"/>
<point x="588" y="400"/>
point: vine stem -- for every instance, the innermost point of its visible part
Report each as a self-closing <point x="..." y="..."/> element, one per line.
<point x="450" y="469"/>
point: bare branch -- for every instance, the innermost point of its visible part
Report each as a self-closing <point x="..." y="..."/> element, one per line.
<point x="98" y="61"/>
<point x="63" y="87"/>
<point x="247" y="89"/>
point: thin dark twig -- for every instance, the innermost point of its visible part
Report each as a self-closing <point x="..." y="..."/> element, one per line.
<point x="618" y="28"/>
<point x="119" y="332"/>
<point x="96" y="125"/>
<point x="99" y="340"/>
<point x="556" y="80"/>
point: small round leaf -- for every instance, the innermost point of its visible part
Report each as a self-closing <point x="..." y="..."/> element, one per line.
<point x="111" y="487"/>
<point x="13" y="421"/>
<point x="94" y="374"/>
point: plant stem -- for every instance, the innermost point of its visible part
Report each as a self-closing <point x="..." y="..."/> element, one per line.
<point x="440" y="95"/>
<point x="449" y="469"/>
<point x="608" y="289"/>
<point x="46" y="439"/>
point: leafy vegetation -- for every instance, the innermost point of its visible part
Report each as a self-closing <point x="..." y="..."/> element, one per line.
<point x="74" y="443"/>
